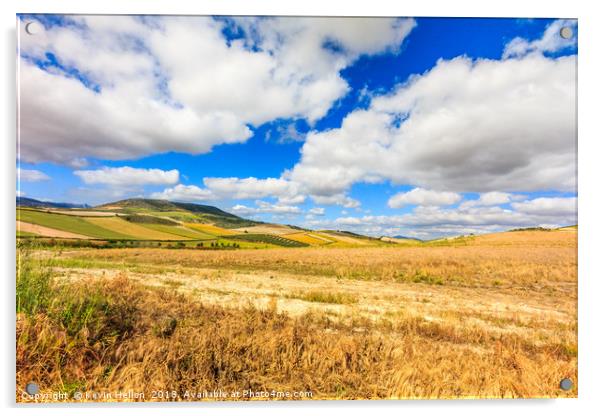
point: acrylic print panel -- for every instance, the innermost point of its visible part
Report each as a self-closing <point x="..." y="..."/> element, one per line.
<point x="297" y="208"/>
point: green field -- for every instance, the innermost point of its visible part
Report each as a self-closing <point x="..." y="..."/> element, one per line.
<point x="25" y="234"/>
<point x="69" y="223"/>
<point x="148" y="219"/>
<point x="175" y="215"/>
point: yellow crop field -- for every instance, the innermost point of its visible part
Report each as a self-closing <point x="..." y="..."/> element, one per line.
<point x="211" y="229"/>
<point x="137" y="231"/>
<point x="274" y="229"/>
<point x="306" y="238"/>
<point x="344" y="239"/>
<point x="324" y="237"/>
<point x="489" y="316"/>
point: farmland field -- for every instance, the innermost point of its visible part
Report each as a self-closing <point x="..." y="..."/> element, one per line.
<point x="134" y="230"/>
<point x="181" y="231"/>
<point x="307" y="238"/>
<point x="212" y="229"/>
<point x="69" y="223"/>
<point x="485" y="316"/>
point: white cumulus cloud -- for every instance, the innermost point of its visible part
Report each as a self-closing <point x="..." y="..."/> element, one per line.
<point x="317" y="211"/>
<point x="551" y="41"/>
<point x="431" y="222"/>
<point x="184" y="193"/>
<point x="464" y="126"/>
<point x="127" y="86"/>
<point x="32" y="175"/>
<point x="493" y="198"/>
<point x="548" y="206"/>
<point x="236" y="188"/>
<point x="426" y="197"/>
<point x="263" y="207"/>
<point x="253" y="188"/>
<point x="337" y="199"/>
<point x="127" y="176"/>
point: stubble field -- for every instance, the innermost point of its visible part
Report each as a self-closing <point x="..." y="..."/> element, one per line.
<point x="490" y="316"/>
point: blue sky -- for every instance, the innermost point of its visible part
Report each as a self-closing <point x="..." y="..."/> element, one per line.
<point x="423" y="127"/>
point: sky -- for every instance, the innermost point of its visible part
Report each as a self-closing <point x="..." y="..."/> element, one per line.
<point x="421" y="127"/>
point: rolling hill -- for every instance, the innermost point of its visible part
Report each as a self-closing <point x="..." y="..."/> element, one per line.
<point x="179" y="211"/>
<point x="139" y="221"/>
<point x="30" y="202"/>
<point x="154" y="222"/>
<point x="144" y="221"/>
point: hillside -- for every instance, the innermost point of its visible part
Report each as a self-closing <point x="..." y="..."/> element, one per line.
<point x="151" y="223"/>
<point x="195" y="213"/>
<point x="30" y="202"/>
<point x="142" y="222"/>
<point x="148" y="222"/>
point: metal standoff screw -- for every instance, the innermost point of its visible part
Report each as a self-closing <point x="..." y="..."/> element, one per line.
<point x="566" y="384"/>
<point x="566" y="32"/>
<point x="32" y="388"/>
<point x="33" y="28"/>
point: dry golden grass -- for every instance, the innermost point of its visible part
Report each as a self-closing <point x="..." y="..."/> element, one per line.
<point x="306" y="238"/>
<point x="484" y="319"/>
<point x="549" y="263"/>
<point x="141" y="232"/>
<point x="175" y="344"/>
<point x="344" y="239"/>
<point x="564" y="237"/>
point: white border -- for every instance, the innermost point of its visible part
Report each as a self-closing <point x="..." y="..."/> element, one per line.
<point x="590" y="208"/>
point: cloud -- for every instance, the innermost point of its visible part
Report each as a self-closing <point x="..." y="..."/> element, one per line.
<point x="184" y="193"/>
<point x="551" y="41"/>
<point x="492" y="198"/>
<point x="464" y="126"/>
<point x="121" y="87"/>
<point x="419" y="196"/>
<point x="431" y="222"/>
<point x="126" y="176"/>
<point x="264" y="207"/>
<point x="285" y="133"/>
<point x="253" y="188"/>
<point x="32" y="175"/>
<point x="285" y="191"/>
<point x="317" y="211"/>
<point x="337" y="199"/>
<point x="548" y="206"/>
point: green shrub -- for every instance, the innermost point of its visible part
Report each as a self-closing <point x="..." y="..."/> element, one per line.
<point x="325" y="297"/>
<point x="34" y="280"/>
<point x="102" y="313"/>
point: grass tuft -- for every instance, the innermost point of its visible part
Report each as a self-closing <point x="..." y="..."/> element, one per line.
<point x="324" y="297"/>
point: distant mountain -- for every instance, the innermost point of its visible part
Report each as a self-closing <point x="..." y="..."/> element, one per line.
<point x="30" y="202"/>
<point x="180" y="210"/>
<point x="403" y="237"/>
